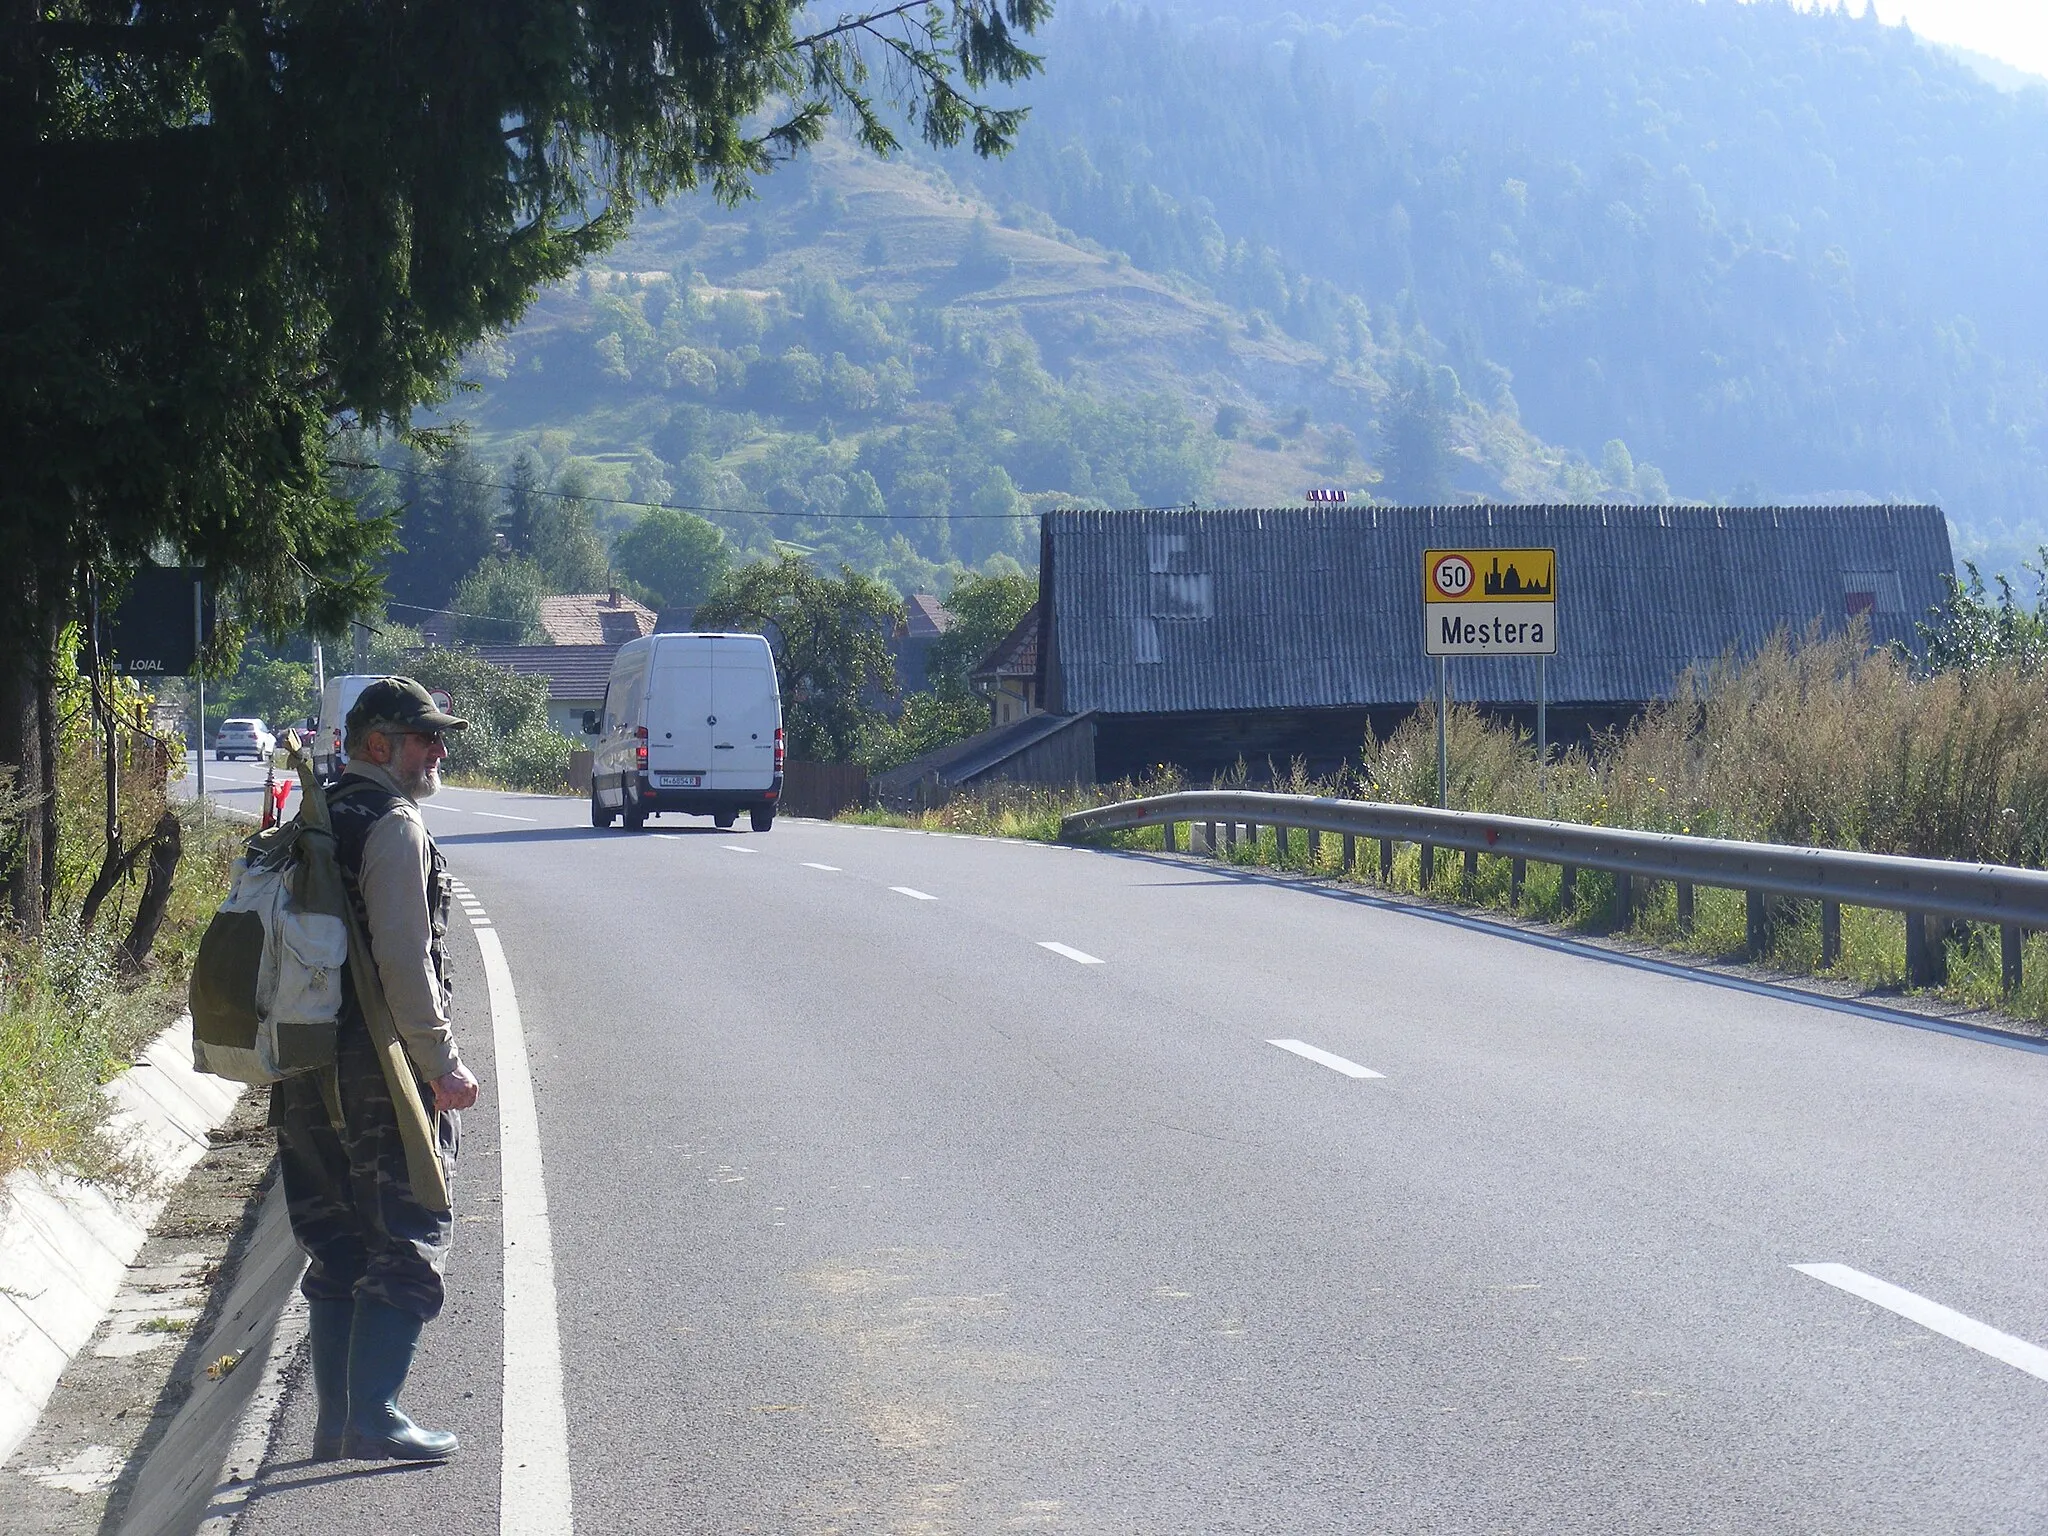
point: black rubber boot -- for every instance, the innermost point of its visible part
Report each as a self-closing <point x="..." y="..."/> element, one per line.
<point x="328" y="1326"/>
<point x="380" y="1354"/>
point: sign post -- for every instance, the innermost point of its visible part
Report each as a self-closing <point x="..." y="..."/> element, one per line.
<point x="1488" y="602"/>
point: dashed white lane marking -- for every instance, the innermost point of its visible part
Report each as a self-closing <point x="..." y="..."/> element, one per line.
<point x="830" y="869"/>
<point x="533" y="1483"/>
<point x="1324" y="1058"/>
<point x="1074" y="955"/>
<point x="1932" y="1315"/>
<point x="737" y="848"/>
<point x="503" y="816"/>
<point x="912" y="893"/>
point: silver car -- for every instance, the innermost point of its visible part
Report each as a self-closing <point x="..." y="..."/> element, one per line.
<point x="243" y="738"/>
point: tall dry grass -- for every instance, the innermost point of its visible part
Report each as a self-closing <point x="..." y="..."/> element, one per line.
<point x="1820" y="742"/>
<point x="1814" y="741"/>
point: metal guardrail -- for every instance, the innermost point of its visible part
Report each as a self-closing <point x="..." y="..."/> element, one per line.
<point x="1930" y="892"/>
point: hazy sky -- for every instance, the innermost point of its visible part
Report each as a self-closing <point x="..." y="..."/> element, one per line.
<point x="2013" y="30"/>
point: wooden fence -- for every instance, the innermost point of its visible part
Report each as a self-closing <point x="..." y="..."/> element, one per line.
<point x="822" y="790"/>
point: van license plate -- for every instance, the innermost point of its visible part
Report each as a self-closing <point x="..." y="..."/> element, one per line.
<point x="678" y="780"/>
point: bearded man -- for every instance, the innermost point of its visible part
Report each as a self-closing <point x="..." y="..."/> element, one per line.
<point x="375" y="1226"/>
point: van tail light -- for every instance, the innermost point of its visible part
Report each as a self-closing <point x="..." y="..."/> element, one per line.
<point x="778" y="749"/>
<point x="640" y="745"/>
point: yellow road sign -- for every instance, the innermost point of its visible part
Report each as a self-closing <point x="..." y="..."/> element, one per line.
<point x="1489" y="602"/>
<point x="1489" y="576"/>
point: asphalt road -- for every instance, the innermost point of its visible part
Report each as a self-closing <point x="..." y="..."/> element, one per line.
<point x="872" y="1213"/>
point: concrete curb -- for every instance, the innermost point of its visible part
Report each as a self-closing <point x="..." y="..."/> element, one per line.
<point x="65" y="1244"/>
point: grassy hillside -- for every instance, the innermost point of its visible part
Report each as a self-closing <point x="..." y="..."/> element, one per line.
<point x="883" y="368"/>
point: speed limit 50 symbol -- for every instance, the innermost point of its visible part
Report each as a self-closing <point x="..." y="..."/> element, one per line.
<point x="1450" y="577"/>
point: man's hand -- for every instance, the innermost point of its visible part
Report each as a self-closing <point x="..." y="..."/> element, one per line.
<point x="455" y="1091"/>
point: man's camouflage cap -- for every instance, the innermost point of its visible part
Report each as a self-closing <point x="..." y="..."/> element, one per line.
<point x="402" y="702"/>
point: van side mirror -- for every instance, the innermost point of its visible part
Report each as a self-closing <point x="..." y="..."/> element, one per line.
<point x="590" y="722"/>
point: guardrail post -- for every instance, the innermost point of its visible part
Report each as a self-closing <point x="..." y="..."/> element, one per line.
<point x="1350" y="853"/>
<point x="1471" y="878"/>
<point x="1386" y="861"/>
<point x="1621" y="914"/>
<point x="1685" y="908"/>
<point x="1518" y="871"/>
<point x="1926" y="952"/>
<point x="1830" y="935"/>
<point x="1166" y="835"/>
<point x="1279" y="845"/>
<point x="1428" y="867"/>
<point x="1567" y="887"/>
<point x="1211" y="841"/>
<point x="2011" y="941"/>
<point x="1314" y="839"/>
<point x="1230" y="836"/>
<point x="1756" y="925"/>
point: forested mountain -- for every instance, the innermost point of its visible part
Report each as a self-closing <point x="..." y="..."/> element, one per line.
<point x="1590" y="248"/>
<point x="1779" y="253"/>
<point x="872" y="365"/>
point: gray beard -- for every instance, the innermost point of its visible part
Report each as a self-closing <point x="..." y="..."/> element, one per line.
<point x="423" y="785"/>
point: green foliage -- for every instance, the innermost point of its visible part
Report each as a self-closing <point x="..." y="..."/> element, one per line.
<point x="985" y="608"/>
<point x="564" y="541"/>
<point x="1415" y="455"/>
<point x="509" y="740"/>
<point x="830" y="638"/>
<point x="676" y="556"/>
<point x="275" y="691"/>
<point x="1972" y="631"/>
<point x="840" y="423"/>
<point x="448" y="523"/>
<point x="320" y="209"/>
<point x="499" y="602"/>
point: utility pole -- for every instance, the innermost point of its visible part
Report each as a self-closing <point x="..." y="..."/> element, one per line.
<point x="199" y="686"/>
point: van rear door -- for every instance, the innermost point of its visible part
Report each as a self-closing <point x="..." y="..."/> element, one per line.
<point x="679" y="715"/>
<point x="749" y="712"/>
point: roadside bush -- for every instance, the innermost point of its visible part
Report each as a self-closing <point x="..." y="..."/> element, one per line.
<point x="534" y="757"/>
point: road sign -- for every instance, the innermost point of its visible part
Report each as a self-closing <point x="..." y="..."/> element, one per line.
<point x="164" y="619"/>
<point x="1489" y="602"/>
<point x="444" y="701"/>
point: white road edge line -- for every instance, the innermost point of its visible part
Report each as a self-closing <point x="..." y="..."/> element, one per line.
<point x="533" y="1487"/>
<point x="830" y="869"/>
<point x="737" y="848"/>
<point x="503" y="816"/>
<point x="1932" y="1315"/>
<point x="1324" y="1058"/>
<point x="1074" y="955"/>
<point x="912" y="893"/>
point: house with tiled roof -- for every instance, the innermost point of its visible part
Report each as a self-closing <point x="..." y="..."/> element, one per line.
<point x="595" y="618"/>
<point x="924" y="619"/>
<point x="1008" y="676"/>
<point x="576" y="676"/>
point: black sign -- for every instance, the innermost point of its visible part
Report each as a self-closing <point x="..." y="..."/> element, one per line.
<point x="158" y="629"/>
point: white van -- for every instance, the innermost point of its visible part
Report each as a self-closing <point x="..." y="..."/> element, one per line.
<point x="337" y="698"/>
<point x="690" y="723"/>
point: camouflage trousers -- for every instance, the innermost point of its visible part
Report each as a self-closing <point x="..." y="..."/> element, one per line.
<point x="348" y="1192"/>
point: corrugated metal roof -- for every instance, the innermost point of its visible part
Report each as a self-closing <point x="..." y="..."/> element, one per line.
<point x="1312" y="607"/>
<point x="573" y="672"/>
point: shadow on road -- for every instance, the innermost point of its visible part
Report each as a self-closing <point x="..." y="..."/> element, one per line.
<point x="1500" y="927"/>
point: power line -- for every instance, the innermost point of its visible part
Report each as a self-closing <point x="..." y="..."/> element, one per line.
<point x="677" y="506"/>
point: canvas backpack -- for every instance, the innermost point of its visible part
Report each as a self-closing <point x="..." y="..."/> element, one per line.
<point x="268" y="985"/>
